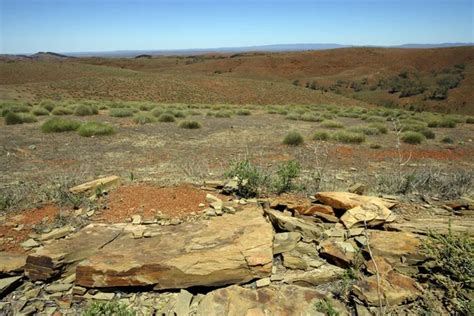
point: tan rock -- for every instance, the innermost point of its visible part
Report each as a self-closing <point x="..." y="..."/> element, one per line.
<point x="11" y="262"/>
<point x="324" y="274"/>
<point x="373" y="213"/>
<point x="50" y="260"/>
<point x="286" y="300"/>
<point x="346" y="200"/>
<point x="339" y="253"/>
<point x="396" y="289"/>
<point x="223" y="250"/>
<point x="7" y="283"/>
<point x="285" y="242"/>
<point x="396" y="247"/>
<point x="57" y="233"/>
<point x="318" y="208"/>
<point x="107" y="182"/>
<point x="307" y="229"/>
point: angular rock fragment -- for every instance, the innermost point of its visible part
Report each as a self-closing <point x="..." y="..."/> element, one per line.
<point x="373" y="213"/>
<point x="53" y="258"/>
<point x="285" y="242"/>
<point x="57" y="233"/>
<point x="106" y="182"/>
<point x="224" y="250"/>
<point x="11" y="262"/>
<point x="346" y="200"/>
<point x="340" y="253"/>
<point x="324" y="274"/>
<point x="288" y="223"/>
<point x="7" y="283"/>
<point x="395" y="247"/>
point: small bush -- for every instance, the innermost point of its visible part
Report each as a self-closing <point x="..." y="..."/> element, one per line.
<point x="447" y="140"/>
<point x="375" y="146"/>
<point x="143" y="118"/>
<point x="179" y="114"/>
<point x="166" y="118"/>
<point x="48" y="105"/>
<point x="293" y="116"/>
<point x="332" y="124"/>
<point x="223" y="114"/>
<point x="56" y="125"/>
<point x="108" y="309"/>
<point x="429" y="134"/>
<point x="120" y="112"/>
<point x="85" y="110"/>
<point x="146" y="107"/>
<point x="320" y="135"/>
<point x="349" y="137"/>
<point x="366" y="130"/>
<point x="293" y="139"/>
<point x="249" y="178"/>
<point x="95" y="128"/>
<point x="470" y="120"/>
<point x="39" y="111"/>
<point x="381" y="127"/>
<point x="286" y="174"/>
<point x="157" y="112"/>
<point x="61" y="110"/>
<point x="412" y="137"/>
<point x="13" y="119"/>
<point x="243" y="112"/>
<point x="28" y="118"/>
<point x="447" y="122"/>
<point x="190" y="124"/>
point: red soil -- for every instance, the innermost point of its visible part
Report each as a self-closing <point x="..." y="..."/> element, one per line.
<point x="147" y="200"/>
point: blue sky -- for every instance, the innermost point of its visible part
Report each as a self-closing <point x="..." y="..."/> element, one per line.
<point x="28" y="26"/>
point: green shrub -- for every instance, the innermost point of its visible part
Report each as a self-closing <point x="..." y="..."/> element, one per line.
<point x="429" y="134"/>
<point x="166" y="118"/>
<point x="27" y="118"/>
<point x="15" y="109"/>
<point x="447" y="140"/>
<point x="121" y="112"/>
<point x="39" y="111"/>
<point x="61" y="110"/>
<point x="157" y="112"/>
<point x="349" y="137"/>
<point x="249" y="178"/>
<point x="286" y="174"/>
<point x="366" y="130"/>
<point x="190" y="124"/>
<point x="48" y="105"/>
<point x="95" y="128"/>
<point x="375" y="146"/>
<point x="146" y="107"/>
<point x="56" y="125"/>
<point x="85" y="110"/>
<point x="223" y="114"/>
<point x="143" y="118"/>
<point x="243" y="112"/>
<point x="320" y="135"/>
<point x="470" y="120"/>
<point x="380" y="126"/>
<point x="412" y="137"/>
<point x="111" y="308"/>
<point x="447" y="122"/>
<point x="451" y="268"/>
<point x="332" y="124"/>
<point x="293" y="139"/>
<point x="179" y="114"/>
<point x="13" y="119"/>
<point x="293" y="116"/>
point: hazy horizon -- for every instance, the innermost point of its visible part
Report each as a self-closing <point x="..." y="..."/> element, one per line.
<point x="29" y="26"/>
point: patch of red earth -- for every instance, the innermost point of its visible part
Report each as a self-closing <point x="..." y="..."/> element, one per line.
<point x="11" y="238"/>
<point x="147" y="200"/>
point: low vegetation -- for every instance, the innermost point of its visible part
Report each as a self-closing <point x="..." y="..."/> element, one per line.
<point x="111" y="308"/>
<point x="144" y="118"/>
<point x="413" y="138"/>
<point x="90" y="129"/>
<point x="293" y="139"/>
<point x="166" y="118"/>
<point x="190" y="124"/>
<point x="121" y="112"/>
<point x="57" y="125"/>
<point x="348" y="137"/>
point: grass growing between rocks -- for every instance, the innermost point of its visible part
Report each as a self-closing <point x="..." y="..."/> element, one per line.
<point x="57" y="125"/>
<point x="114" y="308"/>
<point x="95" y="129"/>
<point x="451" y="268"/>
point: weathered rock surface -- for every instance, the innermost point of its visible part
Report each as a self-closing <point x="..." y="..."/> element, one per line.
<point x="436" y="224"/>
<point x="7" y="283"/>
<point x="396" y="247"/>
<point x="106" y="182"/>
<point x="225" y="250"/>
<point x="57" y="233"/>
<point x="396" y="288"/>
<point x="340" y="253"/>
<point x="318" y="208"/>
<point x="373" y="213"/>
<point x="11" y="262"/>
<point x="288" y="223"/>
<point x="287" y="300"/>
<point x="324" y="274"/>
<point x="285" y="242"/>
<point x="52" y="259"/>
<point x="346" y="200"/>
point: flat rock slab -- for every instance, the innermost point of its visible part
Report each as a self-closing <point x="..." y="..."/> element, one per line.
<point x="54" y="257"/>
<point x="287" y="300"/>
<point x="106" y="182"/>
<point x="234" y="248"/>
<point x="435" y="224"/>
<point x="396" y="247"/>
<point x="307" y="229"/>
<point x="11" y="262"/>
<point x="346" y="200"/>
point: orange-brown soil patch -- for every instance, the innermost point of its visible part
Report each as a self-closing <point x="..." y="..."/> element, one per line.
<point x="147" y="201"/>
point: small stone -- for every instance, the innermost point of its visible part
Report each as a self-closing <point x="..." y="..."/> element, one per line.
<point x="30" y="243"/>
<point x="219" y="212"/>
<point x="19" y="227"/>
<point x="183" y="301"/>
<point x="136" y="219"/>
<point x="263" y="282"/>
<point x="102" y="296"/>
<point x="202" y="204"/>
<point x="58" y="287"/>
<point x="79" y="290"/>
<point x="209" y="212"/>
<point x="229" y="209"/>
<point x="57" y="233"/>
<point x="175" y="221"/>
<point x="90" y="213"/>
<point x="212" y="198"/>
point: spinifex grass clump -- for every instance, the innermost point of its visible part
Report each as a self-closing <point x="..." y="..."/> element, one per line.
<point x="57" y="125"/>
<point x="95" y="129"/>
<point x="13" y="118"/>
<point x="85" y="110"/>
<point x="190" y="124"/>
<point x="332" y="124"/>
<point x="61" y="110"/>
<point x="143" y="118"/>
<point x="413" y="138"/>
<point x="293" y="139"/>
<point x="121" y="112"/>
<point x="166" y="118"/>
<point x="349" y="137"/>
<point x="39" y="111"/>
<point x="320" y="135"/>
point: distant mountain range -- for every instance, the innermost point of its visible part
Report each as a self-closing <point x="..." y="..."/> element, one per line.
<point x="222" y="50"/>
